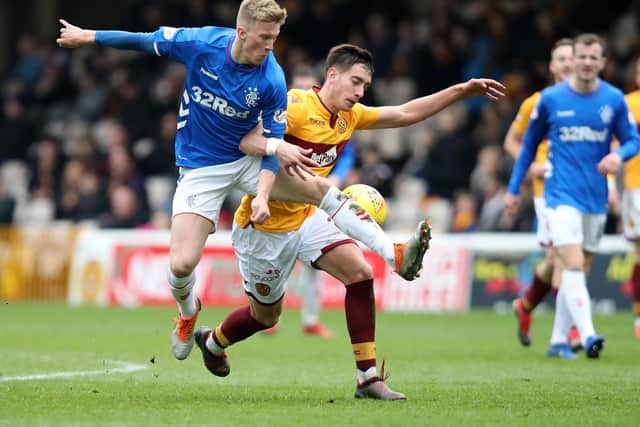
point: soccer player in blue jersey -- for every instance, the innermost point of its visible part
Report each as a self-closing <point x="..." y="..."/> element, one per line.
<point x="579" y="117"/>
<point x="233" y="80"/>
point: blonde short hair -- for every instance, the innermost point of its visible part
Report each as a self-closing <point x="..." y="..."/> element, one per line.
<point x="260" y="11"/>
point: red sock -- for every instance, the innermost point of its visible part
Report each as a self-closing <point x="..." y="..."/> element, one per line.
<point x="535" y="294"/>
<point x="635" y="284"/>
<point x="238" y="325"/>
<point x="360" y="310"/>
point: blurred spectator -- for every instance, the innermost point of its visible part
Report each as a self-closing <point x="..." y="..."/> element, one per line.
<point x="16" y="130"/>
<point x="7" y="206"/>
<point x="123" y="210"/>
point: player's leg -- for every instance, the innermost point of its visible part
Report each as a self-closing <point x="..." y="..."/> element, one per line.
<point x="239" y="325"/>
<point x="265" y="261"/>
<point x="332" y="251"/>
<point x="405" y="258"/>
<point x="541" y="283"/>
<point x="572" y="234"/>
<point x="188" y="236"/>
<point x="196" y="208"/>
<point x="310" y="310"/>
<point x="631" y="226"/>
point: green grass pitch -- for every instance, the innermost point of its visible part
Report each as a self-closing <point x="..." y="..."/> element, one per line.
<point x="457" y="370"/>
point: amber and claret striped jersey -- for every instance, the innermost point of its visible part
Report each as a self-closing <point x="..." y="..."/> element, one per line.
<point x="632" y="167"/>
<point x="310" y="125"/>
<point x="520" y="123"/>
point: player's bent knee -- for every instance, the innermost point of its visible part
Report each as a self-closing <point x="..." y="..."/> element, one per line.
<point x="359" y="273"/>
<point x="182" y="266"/>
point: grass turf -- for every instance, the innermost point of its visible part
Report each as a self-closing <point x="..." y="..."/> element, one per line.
<point x="456" y="370"/>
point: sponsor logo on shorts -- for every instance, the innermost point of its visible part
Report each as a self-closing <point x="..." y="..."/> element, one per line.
<point x="263" y="289"/>
<point x="191" y="200"/>
<point x="267" y="276"/>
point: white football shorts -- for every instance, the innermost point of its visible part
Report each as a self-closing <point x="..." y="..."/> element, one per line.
<point x="569" y="226"/>
<point x="202" y="191"/>
<point x="267" y="259"/>
<point x="631" y="214"/>
<point x="542" y="231"/>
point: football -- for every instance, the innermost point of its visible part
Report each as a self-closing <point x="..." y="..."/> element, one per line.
<point x="369" y="199"/>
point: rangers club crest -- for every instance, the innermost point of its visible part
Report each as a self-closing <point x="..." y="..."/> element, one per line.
<point x="606" y="114"/>
<point x="251" y="96"/>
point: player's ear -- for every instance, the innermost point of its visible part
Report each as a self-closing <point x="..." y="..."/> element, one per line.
<point x="332" y="73"/>
<point x="241" y="31"/>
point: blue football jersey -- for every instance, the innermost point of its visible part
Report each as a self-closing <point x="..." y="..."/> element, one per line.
<point x="579" y="128"/>
<point x="222" y="100"/>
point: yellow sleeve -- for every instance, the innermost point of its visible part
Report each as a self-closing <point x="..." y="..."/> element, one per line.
<point x="365" y="116"/>
<point x="522" y="118"/>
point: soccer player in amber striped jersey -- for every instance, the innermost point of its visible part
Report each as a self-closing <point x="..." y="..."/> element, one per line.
<point x="323" y="120"/>
<point x="631" y="203"/>
<point x="560" y="66"/>
<point x="579" y="117"/>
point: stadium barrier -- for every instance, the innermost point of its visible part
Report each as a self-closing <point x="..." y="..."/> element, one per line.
<point x="35" y="261"/>
<point x="461" y="271"/>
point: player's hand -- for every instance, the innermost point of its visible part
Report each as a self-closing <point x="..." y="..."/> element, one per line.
<point x="536" y="170"/>
<point x="609" y="163"/>
<point x="511" y="204"/>
<point x="72" y="36"/>
<point x="259" y="210"/>
<point x="295" y="160"/>
<point x="490" y="88"/>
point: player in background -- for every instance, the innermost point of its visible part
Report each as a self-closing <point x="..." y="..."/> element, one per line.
<point x="631" y="202"/>
<point x="579" y="117"/>
<point x="560" y="67"/>
<point x="233" y="80"/>
<point x="324" y="120"/>
<point x="305" y="77"/>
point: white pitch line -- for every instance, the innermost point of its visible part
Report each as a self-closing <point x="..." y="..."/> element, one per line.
<point x="125" y="368"/>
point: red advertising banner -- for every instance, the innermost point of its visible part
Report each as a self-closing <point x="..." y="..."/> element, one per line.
<point x="129" y="268"/>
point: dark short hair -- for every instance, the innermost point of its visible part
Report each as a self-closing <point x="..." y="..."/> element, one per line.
<point x="588" y="39"/>
<point x="565" y="41"/>
<point x="345" y="56"/>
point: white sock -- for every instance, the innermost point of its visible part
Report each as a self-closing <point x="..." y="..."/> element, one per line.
<point x="181" y="289"/>
<point x="562" y="321"/>
<point x="310" y="311"/>
<point x="213" y="346"/>
<point x="637" y="322"/>
<point x="343" y="211"/>
<point x="578" y="301"/>
<point x="366" y="375"/>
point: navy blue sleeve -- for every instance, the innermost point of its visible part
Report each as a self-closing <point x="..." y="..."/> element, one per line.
<point x="345" y="162"/>
<point x="126" y="40"/>
<point x="626" y="131"/>
<point x="533" y="135"/>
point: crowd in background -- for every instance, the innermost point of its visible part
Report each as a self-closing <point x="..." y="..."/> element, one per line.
<point x="87" y="134"/>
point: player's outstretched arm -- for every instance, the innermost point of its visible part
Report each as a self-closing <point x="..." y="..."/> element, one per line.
<point x="294" y="159"/>
<point x="72" y="36"/>
<point x="422" y="108"/>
